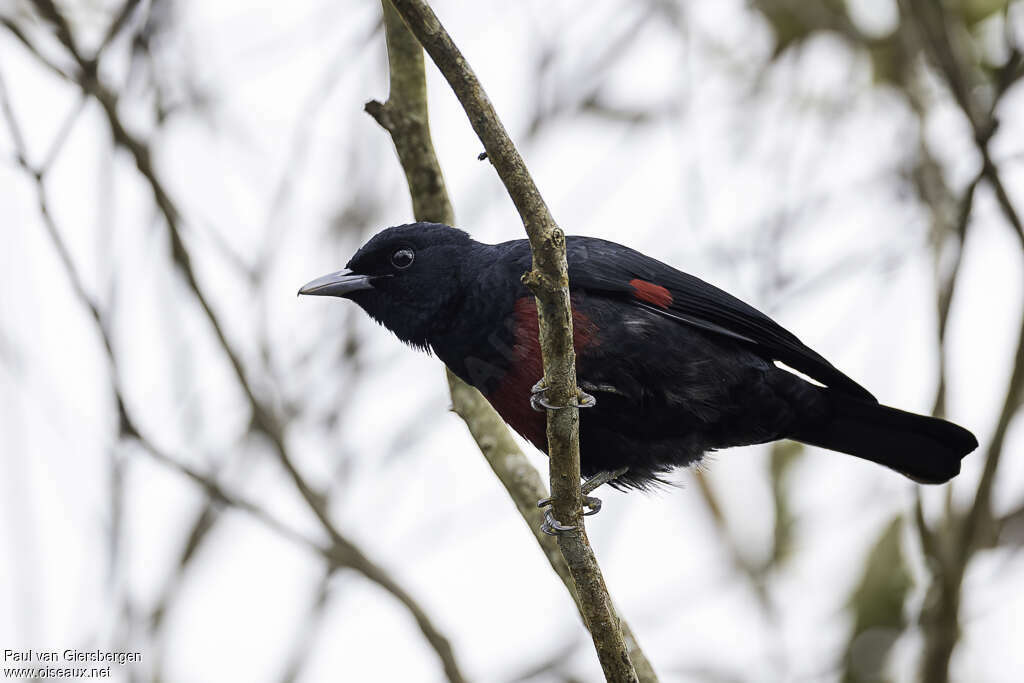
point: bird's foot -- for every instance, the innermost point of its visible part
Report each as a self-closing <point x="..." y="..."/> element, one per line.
<point x="540" y="403"/>
<point x="553" y="527"/>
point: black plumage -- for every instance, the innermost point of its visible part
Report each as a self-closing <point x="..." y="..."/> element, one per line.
<point x="678" y="366"/>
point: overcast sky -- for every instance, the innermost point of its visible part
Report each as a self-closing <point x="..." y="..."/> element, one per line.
<point x="809" y="148"/>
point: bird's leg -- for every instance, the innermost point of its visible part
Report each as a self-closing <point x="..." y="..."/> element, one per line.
<point x="540" y="403"/>
<point x="602" y="478"/>
<point x="589" y="484"/>
<point x="553" y="527"/>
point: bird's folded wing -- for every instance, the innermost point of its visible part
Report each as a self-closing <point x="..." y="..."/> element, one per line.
<point x="609" y="269"/>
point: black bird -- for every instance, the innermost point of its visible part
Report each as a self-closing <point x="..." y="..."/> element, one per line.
<point x="677" y="367"/>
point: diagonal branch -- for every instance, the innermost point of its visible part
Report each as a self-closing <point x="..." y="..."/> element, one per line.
<point x="128" y="430"/>
<point x="404" y="115"/>
<point x="968" y="531"/>
<point x="525" y="485"/>
<point x="341" y="552"/>
<point x="263" y="419"/>
<point x="406" y="118"/>
<point x="930" y="20"/>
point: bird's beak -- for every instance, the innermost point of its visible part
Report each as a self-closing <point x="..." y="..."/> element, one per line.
<point x="341" y="283"/>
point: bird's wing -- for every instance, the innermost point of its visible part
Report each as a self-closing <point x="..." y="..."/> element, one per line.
<point x="609" y="269"/>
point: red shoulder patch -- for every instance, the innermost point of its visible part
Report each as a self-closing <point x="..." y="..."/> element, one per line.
<point x="651" y="293"/>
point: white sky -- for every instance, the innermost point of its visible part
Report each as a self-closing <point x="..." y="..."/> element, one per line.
<point x="697" y="188"/>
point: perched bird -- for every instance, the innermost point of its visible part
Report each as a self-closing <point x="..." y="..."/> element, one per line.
<point x="673" y="367"/>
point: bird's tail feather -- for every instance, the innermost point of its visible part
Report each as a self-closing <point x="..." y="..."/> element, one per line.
<point x="926" y="449"/>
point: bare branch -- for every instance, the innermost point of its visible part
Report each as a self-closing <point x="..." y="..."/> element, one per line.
<point x="931" y="22"/>
<point x="341" y="552"/>
<point x="127" y="428"/>
<point x="525" y="485"/>
<point x="932" y="29"/>
<point x="118" y="23"/>
<point x="404" y="115"/>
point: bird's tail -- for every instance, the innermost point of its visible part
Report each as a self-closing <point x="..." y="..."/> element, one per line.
<point x="926" y="449"/>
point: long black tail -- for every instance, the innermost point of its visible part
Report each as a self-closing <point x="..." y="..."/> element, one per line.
<point x="926" y="449"/>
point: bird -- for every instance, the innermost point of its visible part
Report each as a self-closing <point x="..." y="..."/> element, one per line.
<point x="670" y="367"/>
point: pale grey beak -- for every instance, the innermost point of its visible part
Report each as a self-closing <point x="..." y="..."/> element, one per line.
<point x="341" y="283"/>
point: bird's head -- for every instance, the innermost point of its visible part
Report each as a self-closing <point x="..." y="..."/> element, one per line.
<point x="406" y="278"/>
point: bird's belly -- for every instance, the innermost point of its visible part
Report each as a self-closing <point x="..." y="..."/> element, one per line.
<point x="511" y="398"/>
<point x="523" y="367"/>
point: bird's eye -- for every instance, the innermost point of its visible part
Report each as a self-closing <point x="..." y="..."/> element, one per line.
<point x="402" y="258"/>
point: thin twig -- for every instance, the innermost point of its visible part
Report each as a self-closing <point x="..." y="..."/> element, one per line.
<point x="525" y="486"/>
<point x="930" y="20"/>
<point x="27" y="43"/>
<point x="118" y="23"/>
<point x="974" y="529"/>
<point x="128" y="429"/>
<point x="342" y="552"/>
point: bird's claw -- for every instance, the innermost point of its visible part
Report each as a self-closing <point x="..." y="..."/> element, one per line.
<point x="540" y="403"/>
<point x="552" y="527"/>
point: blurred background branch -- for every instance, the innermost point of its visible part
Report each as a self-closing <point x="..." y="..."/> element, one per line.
<point x="342" y="552"/>
<point x="940" y="39"/>
<point x="851" y="166"/>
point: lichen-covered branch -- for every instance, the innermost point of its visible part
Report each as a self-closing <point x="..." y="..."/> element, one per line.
<point x="548" y="279"/>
